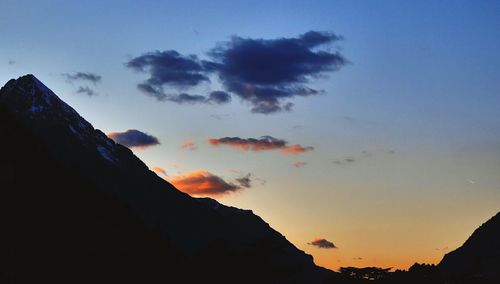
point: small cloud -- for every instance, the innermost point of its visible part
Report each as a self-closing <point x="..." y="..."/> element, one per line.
<point x="160" y="171"/>
<point x="299" y="164"/>
<point x="362" y="156"/>
<point x="443" y="249"/>
<point x="470" y="181"/>
<point x="219" y="116"/>
<point x="189" y="145"/>
<point x="86" y="90"/>
<point x="345" y="161"/>
<point x="245" y="181"/>
<point x="322" y="243"/>
<point x="11" y="62"/>
<point x="204" y="183"/>
<point x="349" y="118"/>
<point x="367" y="154"/>
<point x="265" y="143"/>
<point x="296" y="149"/>
<point x="133" y="138"/>
<point x="82" y="76"/>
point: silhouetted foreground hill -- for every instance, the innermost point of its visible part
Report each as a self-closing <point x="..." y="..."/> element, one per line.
<point x="478" y="258"/>
<point x="476" y="262"/>
<point x="78" y="208"/>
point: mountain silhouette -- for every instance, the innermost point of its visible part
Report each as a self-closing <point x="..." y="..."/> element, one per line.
<point x="478" y="259"/>
<point x="78" y="208"/>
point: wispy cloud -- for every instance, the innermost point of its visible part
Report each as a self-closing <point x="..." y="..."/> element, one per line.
<point x="189" y="145"/>
<point x="299" y="164"/>
<point x="219" y="116"/>
<point x="470" y="181"/>
<point x="82" y="76"/>
<point x="345" y="161"/>
<point x="265" y="143"/>
<point x="86" y="90"/>
<point x="351" y="159"/>
<point x="133" y="138"/>
<point x="245" y="181"/>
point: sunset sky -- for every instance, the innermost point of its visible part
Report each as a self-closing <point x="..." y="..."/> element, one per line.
<point x="374" y="125"/>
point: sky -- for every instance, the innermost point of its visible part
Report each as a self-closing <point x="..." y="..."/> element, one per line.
<point x="366" y="132"/>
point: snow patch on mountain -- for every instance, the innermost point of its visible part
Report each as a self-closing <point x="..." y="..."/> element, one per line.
<point x="106" y="154"/>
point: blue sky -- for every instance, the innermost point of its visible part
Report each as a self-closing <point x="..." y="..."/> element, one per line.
<point x="416" y="109"/>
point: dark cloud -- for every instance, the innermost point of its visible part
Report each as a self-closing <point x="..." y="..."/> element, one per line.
<point x="204" y="183"/>
<point x="265" y="143"/>
<point x="219" y="97"/>
<point x="266" y="73"/>
<point x="187" y="98"/>
<point x="322" y="243"/>
<point x="83" y="76"/>
<point x="86" y="90"/>
<point x="169" y="69"/>
<point x="216" y="97"/>
<point x="133" y="138"/>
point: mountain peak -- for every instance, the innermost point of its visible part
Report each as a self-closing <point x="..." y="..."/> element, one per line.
<point x="27" y="94"/>
<point x="39" y="106"/>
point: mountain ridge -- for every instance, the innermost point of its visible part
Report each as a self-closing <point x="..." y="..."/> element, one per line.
<point x="478" y="257"/>
<point x="189" y="225"/>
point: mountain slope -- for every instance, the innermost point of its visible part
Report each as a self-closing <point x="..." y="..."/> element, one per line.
<point x="79" y="208"/>
<point x="479" y="257"/>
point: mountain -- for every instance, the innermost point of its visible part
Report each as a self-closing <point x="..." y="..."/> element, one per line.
<point x="75" y="207"/>
<point x="478" y="259"/>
